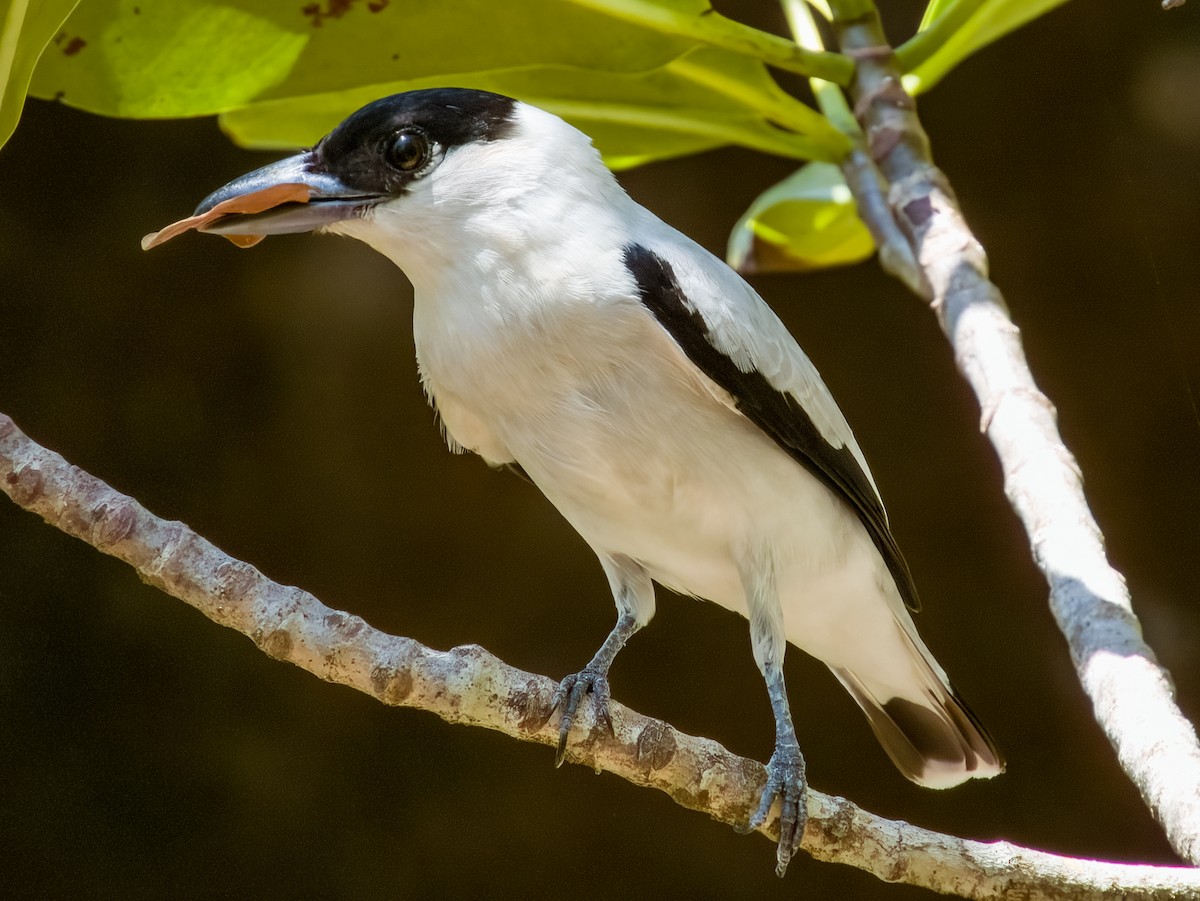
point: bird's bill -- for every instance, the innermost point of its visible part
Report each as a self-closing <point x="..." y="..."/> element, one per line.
<point x="328" y="201"/>
<point x="279" y="199"/>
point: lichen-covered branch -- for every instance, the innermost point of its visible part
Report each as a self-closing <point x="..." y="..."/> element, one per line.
<point x="469" y="685"/>
<point x="1131" y="694"/>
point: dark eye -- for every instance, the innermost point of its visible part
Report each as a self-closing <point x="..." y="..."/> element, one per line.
<point x="408" y="151"/>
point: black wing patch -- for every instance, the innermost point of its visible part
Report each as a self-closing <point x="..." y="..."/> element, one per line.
<point x="775" y="412"/>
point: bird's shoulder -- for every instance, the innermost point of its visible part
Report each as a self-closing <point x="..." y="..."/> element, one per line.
<point x="706" y="304"/>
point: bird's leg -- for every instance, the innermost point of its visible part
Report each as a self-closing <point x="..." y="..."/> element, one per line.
<point x="785" y="770"/>
<point x="785" y="776"/>
<point x="634" y="594"/>
<point x="592" y="678"/>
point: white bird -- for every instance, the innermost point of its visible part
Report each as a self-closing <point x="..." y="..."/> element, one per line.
<point x="649" y="392"/>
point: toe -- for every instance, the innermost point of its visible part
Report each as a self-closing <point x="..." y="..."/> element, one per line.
<point x="785" y="781"/>
<point x="568" y="697"/>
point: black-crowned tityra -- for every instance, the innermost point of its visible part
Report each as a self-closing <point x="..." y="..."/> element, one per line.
<point x="649" y="392"/>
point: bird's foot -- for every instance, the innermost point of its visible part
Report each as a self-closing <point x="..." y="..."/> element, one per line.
<point x="786" y="781"/>
<point x="570" y="692"/>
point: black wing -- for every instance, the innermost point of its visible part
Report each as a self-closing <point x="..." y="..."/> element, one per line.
<point x="775" y="412"/>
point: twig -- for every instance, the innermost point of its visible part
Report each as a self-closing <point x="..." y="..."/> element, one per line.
<point x="862" y="176"/>
<point x="468" y="685"/>
<point x="1131" y="694"/>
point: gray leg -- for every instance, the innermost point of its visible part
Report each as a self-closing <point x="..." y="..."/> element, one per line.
<point x="785" y="770"/>
<point x="634" y="595"/>
<point x="785" y="777"/>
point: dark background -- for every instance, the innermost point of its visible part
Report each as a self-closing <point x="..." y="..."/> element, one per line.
<point x="269" y="399"/>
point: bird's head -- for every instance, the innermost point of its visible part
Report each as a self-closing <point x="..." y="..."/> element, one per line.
<point x="421" y="174"/>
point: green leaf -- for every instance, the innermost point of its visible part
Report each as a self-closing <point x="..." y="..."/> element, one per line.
<point x="284" y="73"/>
<point x="700" y="101"/>
<point x="700" y="22"/>
<point x="933" y="12"/>
<point x="807" y="221"/>
<point x="158" y="58"/>
<point x="954" y="29"/>
<point x="26" y="28"/>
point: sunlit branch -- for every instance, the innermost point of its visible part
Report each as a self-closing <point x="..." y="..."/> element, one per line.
<point x="470" y="686"/>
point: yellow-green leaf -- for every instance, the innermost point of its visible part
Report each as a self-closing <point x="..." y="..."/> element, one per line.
<point x="637" y="75"/>
<point x="151" y="58"/>
<point x="702" y="100"/>
<point x="954" y="29"/>
<point x="935" y="10"/>
<point x="26" y="29"/>
<point x="807" y="221"/>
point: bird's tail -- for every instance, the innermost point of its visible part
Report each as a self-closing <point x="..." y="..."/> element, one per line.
<point x="933" y="737"/>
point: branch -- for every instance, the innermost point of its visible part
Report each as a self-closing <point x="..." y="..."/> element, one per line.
<point x="468" y="685"/>
<point x="863" y="177"/>
<point x="1131" y="694"/>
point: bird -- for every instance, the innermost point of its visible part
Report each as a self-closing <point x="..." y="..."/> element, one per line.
<point x="648" y="391"/>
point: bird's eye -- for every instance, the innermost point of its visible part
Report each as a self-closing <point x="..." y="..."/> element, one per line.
<point x="408" y="151"/>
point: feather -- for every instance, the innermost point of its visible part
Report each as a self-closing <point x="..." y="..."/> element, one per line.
<point x="794" y="408"/>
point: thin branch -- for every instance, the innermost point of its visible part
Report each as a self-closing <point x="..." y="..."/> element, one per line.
<point x="862" y="176"/>
<point x="468" y="685"/>
<point x="1131" y="694"/>
<point x="870" y="190"/>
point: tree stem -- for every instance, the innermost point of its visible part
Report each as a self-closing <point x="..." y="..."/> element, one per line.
<point x="470" y="686"/>
<point x="1131" y="694"/>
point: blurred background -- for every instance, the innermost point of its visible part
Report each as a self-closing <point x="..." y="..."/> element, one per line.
<point x="269" y="399"/>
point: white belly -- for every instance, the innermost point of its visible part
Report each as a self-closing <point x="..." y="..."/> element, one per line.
<point x="642" y="457"/>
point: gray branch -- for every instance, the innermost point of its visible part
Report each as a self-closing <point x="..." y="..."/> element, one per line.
<point x="470" y="686"/>
<point x="1131" y="694"/>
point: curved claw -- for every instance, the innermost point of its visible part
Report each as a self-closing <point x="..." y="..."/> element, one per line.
<point x="786" y="781"/>
<point x="569" y="695"/>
